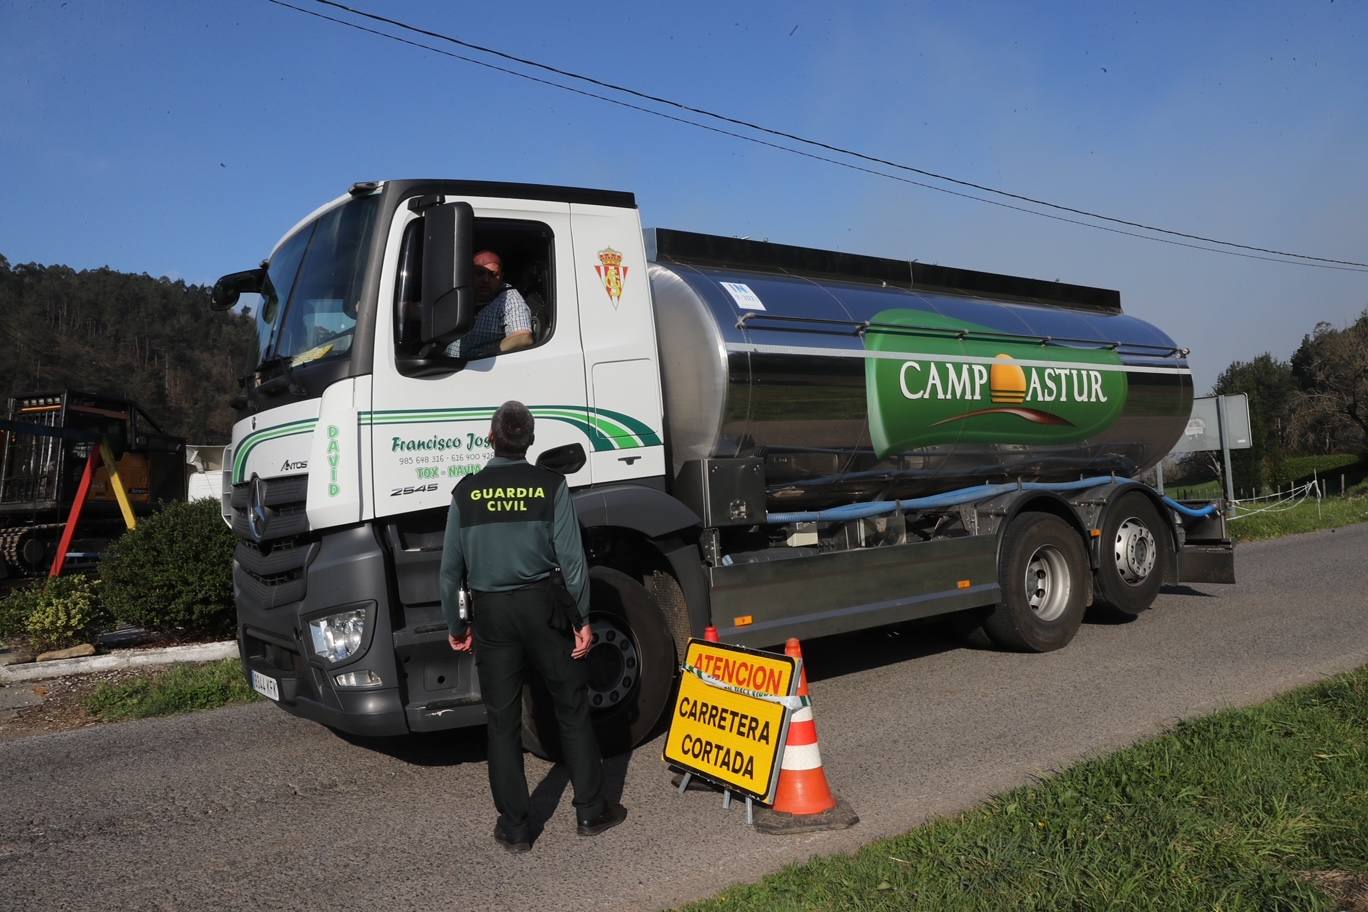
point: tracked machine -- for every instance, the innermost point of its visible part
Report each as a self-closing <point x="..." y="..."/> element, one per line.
<point x="50" y="448"/>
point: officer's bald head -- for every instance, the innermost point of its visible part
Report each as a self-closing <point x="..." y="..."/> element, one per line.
<point x="511" y="429"/>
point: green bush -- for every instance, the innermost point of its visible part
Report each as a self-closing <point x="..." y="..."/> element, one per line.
<point x="63" y="612"/>
<point x="175" y="571"/>
<point x="15" y="609"/>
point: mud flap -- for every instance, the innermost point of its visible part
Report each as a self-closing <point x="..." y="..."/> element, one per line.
<point x="1207" y="562"/>
<point x="1207" y="554"/>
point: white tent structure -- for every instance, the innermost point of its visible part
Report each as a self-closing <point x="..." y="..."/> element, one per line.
<point x="204" y="471"/>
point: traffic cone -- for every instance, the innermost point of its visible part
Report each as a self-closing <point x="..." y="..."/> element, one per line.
<point x="710" y="634"/>
<point x="803" y="802"/>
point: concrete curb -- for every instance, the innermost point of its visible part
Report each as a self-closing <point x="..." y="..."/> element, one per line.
<point x="124" y="658"/>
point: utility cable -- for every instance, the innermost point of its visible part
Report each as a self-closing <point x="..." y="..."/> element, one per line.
<point x="1299" y="261"/>
<point x="817" y="143"/>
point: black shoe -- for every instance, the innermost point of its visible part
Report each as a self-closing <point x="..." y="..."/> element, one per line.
<point x="612" y="815"/>
<point x="515" y="844"/>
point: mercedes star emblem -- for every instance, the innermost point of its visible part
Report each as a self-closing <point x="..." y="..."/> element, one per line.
<point x="256" y="507"/>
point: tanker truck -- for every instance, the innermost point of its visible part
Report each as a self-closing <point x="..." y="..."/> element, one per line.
<point x="773" y="440"/>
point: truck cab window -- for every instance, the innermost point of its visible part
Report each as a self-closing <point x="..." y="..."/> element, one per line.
<point x="280" y="277"/>
<point x="514" y="293"/>
<point x="409" y="295"/>
<point x="320" y="318"/>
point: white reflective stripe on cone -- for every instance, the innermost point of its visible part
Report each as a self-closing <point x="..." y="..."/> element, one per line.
<point x="802" y="715"/>
<point x="801" y="757"/>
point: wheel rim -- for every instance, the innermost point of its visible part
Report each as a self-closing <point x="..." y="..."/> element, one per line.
<point x="1048" y="582"/>
<point x="1135" y="551"/>
<point x="614" y="663"/>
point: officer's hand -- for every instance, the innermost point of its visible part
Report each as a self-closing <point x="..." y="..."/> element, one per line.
<point x="462" y="643"/>
<point x="583" y="637"/>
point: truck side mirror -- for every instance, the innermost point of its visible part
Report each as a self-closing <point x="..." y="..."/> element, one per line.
<point x="567" y="459"/>
<point x="230" y="287"/>
<point x="448" y="302"/>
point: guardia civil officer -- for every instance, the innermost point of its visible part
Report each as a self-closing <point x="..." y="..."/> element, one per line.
<point x="509" y="527"/>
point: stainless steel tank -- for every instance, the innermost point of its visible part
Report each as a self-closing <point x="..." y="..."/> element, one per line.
<point x="857" y="378"/>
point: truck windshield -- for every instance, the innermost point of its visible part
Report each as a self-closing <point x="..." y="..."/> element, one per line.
<point x="308" y="307"/>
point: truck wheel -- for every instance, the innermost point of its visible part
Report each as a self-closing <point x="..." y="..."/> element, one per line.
<point x="1135" y="553"/>
<point x="631" y="670"/>
<point x="1043" y="574"/>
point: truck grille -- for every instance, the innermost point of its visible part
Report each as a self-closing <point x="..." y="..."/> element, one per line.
<point x="272" y="557"/>
<point x="282" y="506"/>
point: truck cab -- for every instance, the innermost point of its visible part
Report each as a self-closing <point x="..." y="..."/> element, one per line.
<point x="356" y="427"/>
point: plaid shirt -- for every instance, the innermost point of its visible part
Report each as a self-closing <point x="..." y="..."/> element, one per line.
<point x="505" y="314"/>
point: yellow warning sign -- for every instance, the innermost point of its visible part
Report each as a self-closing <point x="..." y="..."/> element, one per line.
<point x="731" y="715"/>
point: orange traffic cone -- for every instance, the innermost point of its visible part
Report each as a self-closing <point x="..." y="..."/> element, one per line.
<point x="803" y="801"/>
<point x="710" y="634"/>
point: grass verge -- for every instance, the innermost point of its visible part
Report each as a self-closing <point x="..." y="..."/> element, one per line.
<point x="1207" y="490"/>
<point x="1298" y="467"/>
<point x="1258" y="809"/>
<point x="1334" y="512"/>
<point x="178" y="689"/>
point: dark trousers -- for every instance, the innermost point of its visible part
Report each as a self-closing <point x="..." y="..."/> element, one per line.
<point x="513" y="634"/>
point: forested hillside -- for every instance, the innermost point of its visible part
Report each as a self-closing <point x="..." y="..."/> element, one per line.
<point x="151" y="340"/>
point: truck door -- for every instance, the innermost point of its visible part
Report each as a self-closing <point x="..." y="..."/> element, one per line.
<point x="426" y="433"/>
<point x="618" y="330"/>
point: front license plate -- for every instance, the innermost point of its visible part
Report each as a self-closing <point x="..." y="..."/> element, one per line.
<point x="266" y="686"/>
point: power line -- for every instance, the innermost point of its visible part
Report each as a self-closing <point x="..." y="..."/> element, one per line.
<point x="1295" y="259"/>
<point x="816" y="143"/>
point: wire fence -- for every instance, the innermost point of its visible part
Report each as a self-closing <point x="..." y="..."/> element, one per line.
<point x="1277" y="502"/>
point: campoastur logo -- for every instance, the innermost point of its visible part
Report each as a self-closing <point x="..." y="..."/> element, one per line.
<point x="945" y="389"/>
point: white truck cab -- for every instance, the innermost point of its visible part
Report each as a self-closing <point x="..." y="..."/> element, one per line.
<point x="357" y="427"/>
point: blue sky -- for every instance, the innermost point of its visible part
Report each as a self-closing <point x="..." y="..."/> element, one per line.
<point x="183" y="139"/>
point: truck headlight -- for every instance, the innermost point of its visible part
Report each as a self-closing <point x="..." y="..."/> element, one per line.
<point x="338" y="636"/>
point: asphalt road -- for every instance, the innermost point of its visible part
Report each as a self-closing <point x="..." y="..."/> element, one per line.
<point x="248" y="808"/>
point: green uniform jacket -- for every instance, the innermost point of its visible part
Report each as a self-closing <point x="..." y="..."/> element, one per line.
<point x="509" y="526"/>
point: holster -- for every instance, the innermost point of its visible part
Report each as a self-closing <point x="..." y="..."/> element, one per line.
<point x="564" y="612"/>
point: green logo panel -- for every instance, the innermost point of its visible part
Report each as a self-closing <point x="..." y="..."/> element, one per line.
<point x="942" y="385"/>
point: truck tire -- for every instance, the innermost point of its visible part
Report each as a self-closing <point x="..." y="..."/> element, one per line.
<point x="631" y="670"/>
<point x="1043" y="574"/>
<point x="1135" y="551"/>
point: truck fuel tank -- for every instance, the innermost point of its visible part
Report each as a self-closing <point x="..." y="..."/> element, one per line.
<point x="855" y="377"/>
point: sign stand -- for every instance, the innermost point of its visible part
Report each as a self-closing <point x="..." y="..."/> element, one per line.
<point x="726" y="798"/>
<point x="750" y="806"/>
<point x="1218" y="424"/>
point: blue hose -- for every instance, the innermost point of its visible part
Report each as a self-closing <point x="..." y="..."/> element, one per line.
<point x="963" y="496"/>
<point x="1189" y="511"/>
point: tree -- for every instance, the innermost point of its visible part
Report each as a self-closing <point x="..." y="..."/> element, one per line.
<point x="1267" y="381"/>
<point x="152" y="340"/>
<point x="1331" y="372"/>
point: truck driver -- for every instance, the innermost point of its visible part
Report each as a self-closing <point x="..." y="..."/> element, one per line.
<point x="504" y="322"/>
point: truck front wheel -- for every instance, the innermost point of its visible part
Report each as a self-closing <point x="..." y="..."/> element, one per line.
<point x="1042" y="572"/>
<point x="631" y="667"/>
